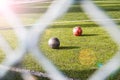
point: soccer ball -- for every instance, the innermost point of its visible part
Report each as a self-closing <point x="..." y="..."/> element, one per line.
<point x="54" y="43"/>
<point x="77" y="31"/>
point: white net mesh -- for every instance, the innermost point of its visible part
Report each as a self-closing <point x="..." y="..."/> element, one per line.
<point x="28" y="39"/>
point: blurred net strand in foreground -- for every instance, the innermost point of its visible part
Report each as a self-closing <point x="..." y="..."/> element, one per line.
<point x="56" y="9"/>
<point x="95" y="13"/>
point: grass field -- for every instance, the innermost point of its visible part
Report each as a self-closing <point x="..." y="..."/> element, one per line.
<point x="95" y="44"/>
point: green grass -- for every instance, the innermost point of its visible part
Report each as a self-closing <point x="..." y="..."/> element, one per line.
<point x="66" y="58"/>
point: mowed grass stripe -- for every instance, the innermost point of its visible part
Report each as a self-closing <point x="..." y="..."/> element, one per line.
<point x="75" y="13"/>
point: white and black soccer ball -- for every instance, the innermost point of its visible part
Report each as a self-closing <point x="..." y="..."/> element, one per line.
<point x="54" y="43"/>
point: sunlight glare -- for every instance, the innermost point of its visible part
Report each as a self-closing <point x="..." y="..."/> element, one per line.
<point x="3" y="3"/>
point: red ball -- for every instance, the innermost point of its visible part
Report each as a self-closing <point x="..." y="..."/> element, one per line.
<point x="77" y="31"/>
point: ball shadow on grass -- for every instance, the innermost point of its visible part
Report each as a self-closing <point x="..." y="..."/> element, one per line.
<point x="68" y="47"/>
<point x="90" y="34"/>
